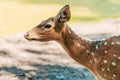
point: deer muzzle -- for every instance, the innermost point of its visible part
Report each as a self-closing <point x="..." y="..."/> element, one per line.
<point x="28" y="36"/>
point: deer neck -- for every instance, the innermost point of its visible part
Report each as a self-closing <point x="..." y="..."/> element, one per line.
<point x="76" y="47"/>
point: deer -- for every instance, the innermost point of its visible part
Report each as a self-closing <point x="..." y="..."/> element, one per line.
<point x="100" y="57"/>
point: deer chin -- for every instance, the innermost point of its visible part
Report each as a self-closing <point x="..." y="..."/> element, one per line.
<point x="37" y="39"/>
<point x="31" y="39"/>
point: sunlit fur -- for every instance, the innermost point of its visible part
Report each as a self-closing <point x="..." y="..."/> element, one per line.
<point x="102" y="58"/>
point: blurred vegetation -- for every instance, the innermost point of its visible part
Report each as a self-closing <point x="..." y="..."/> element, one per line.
<point x="102" y="8"/>
<point x="21" y="15"/>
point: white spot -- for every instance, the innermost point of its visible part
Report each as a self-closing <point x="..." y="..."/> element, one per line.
<point x="102" y="69"/>
<point x="96" y="47"/>
<point x="86" y="41"/>
<point x="113" y="63"/>
<point x="108" y="69"/>
<point x="112" y="78"/>
<point x="113" y="42"/>
<point x="106" y="51"/>
<point x="95" y="59"/>
<point x="78" y="45"/>
<point x="105" y="61"/>
<point x="117" y="42"/>
<point x="87" y="51"/>
<point x="69" y="32"/>
<point x="93" y="53"/>
<point x="105" y="43"/>
<point x="114" y="55"/>
<point x="119" y="57"/>
<point x="114" y="75"/>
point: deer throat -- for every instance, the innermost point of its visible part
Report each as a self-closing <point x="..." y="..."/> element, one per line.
<point x="76" y="47"/>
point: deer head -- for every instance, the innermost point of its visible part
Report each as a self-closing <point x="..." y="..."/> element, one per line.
<point x="51" y="28"/>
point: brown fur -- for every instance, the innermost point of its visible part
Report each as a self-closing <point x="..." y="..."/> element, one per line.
<point x="102" y="58"/>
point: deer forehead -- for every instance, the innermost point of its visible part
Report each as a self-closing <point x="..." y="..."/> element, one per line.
<point x="48" y="21"/>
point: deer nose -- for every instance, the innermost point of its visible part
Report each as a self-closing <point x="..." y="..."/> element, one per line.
<point x="27" y="35"/>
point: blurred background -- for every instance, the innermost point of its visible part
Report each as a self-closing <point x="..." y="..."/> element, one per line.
<point x="24" y="60"/>
<point x="18" y="16"/>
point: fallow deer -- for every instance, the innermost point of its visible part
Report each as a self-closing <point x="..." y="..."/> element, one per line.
<point x="102" y="58"/>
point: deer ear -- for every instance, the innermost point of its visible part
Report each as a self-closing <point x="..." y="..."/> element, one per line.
<point x="64" y="14"/>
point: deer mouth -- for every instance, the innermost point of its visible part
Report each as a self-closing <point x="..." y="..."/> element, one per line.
<point x="26" y="36"/>
<point x="30" y="39"/>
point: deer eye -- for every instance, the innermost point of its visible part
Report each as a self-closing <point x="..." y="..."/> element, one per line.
<point x="47" y="26"/>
